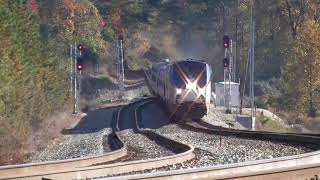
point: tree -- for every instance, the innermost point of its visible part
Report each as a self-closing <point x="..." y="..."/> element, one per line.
<point x="303" y="69"/>
<point x="296" y="14"/>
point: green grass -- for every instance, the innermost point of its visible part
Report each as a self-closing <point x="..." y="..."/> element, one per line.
<point x="271" y="125"/>
<point x="103" y="78"/>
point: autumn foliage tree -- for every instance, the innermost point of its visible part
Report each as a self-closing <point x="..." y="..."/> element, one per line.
<point x="303" y="68"/>
<point x="33" y="7"/>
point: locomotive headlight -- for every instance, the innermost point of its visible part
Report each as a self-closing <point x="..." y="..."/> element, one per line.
<point x="178" y="98"/>
<point x="179" y="91"/>
<point x="202" y="91"/>
<point x="192" y="86"/>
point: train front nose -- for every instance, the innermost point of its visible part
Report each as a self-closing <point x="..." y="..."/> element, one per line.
<point x="192" y="105"/>
<point x="191" y="92"/>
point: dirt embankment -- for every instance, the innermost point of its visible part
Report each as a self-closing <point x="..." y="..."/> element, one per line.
<point x="17" y="150"/>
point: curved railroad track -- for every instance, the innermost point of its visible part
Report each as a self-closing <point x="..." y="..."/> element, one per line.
<point x="157" y="150"/>
<point x="29" y="169"/>
<point x="78" y="172"/>
<point x="301" y="166"/>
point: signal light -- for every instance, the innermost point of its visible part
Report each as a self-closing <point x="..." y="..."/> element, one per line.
<point x="226" y="62"/>
<point x="80" y="47"/>
<point x="79" y="67"/>
<point x="226" y="41"/>
<point x="79" y="64"/>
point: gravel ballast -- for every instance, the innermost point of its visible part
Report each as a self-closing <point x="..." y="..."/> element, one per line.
<point x="75" y="146"/>
<point x="232" y="150"/>
<point x="141" y="147"/>
<point x="217" y="117"/>
<point x="208" y="151"/>
<point x="87" y="138"/>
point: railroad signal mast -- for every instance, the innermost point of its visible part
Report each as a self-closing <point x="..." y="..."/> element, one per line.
<point x="227" y="72"/>
<point x="120" y="64"/>
<point x="76" y="57"/>
<point x="80" y="48"/>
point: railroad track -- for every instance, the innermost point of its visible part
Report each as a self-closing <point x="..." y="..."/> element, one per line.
<point x="309" y="141"/>
<point x="146" y="144"/>
<point x="300" y="166"/>
<point x="135" y="85"/>
<point x="204" y="124"/>
<point x="29" y="169"/>
<point x="77" y="172"/>
<point x="303" y="166"/>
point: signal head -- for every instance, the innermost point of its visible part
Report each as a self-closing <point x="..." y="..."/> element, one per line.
<point x="80" y="47"/>
<point x="80" y="67"/>
<point x="226" y="41"/>
<point x="79" y="64"/>
<point x="226" y="62"/>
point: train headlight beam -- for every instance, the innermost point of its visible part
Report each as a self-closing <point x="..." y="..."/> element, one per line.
<point x="202" y="91"/>
<point x="192" y="86"/>
<point x="179" y="91"/>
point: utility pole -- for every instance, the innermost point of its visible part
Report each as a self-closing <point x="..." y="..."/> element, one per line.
<point x="234" y="60"/>
<point x="120" y="67"/>
<point x="236" y="68"/>
<point x="252" y="35"/>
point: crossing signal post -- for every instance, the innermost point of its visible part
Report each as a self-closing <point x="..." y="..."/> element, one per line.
<point x="76" y="53"/>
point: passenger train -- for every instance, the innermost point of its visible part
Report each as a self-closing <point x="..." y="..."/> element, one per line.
<point x="184" y="87"/>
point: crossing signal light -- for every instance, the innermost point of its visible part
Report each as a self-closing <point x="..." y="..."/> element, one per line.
<point x="226" y="41"/>
<point x="226" y="62"/>
<point x="79" y="64"/>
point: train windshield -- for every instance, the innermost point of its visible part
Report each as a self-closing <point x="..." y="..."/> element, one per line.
<point x="190" y="70"/>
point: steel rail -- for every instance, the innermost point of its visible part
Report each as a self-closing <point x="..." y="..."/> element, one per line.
<point x="218" y="128"/>
<point x="305" y="166"/>
<point x="135" y="85"/>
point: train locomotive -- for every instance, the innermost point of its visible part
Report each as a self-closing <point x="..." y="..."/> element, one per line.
<point x="184" y="86"/>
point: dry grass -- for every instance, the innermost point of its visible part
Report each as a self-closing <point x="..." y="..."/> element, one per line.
<point x="265" y="124"/>
<point x="301" y="120"/>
